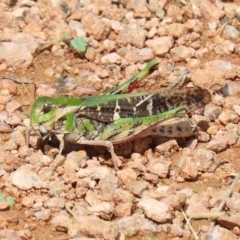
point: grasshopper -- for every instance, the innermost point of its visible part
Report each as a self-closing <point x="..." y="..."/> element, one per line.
<point x="115" y="117"/>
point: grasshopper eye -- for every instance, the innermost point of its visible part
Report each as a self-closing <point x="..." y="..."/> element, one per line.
<point x="46" y="108"/>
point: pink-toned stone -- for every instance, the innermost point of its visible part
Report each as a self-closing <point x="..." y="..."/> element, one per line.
<point x="138" y="158"/>
<point x="127" y="175"/>
<point x="92" y="198"/>
<point x="231" y="101"/>
<point x="101" y="72"/>
<point x="140" y="9"/>
<point x="94" y="172"/>
<point x="113" y="12"/>
<point x="123" y="209"/>
<point x="153" y="22"/>
<point x="210" y="11"/>
<point x="231" y="9"/>
<point x="177" y="230"/>
<point x="175" y="13"/>
<point x="49" y="72"/>
<point x="220" y="143"/>
<point x="105" y="210"/>
<point x="12" y="106"/>
<point x="113" y="58"/>
<point x="38" y="159"/>
<point x="188" y="168"/>
<point x="122" y="196"/>
<point x="81" y="209"/>
<point x="10" y="85"/>
<point x="153" y="178"/>
<point x="159" y="167"/>
<point x="137" y="187"/>
<point x="134" y="36"/>
<point x="109" y="45"/>
<point x="45" y="90"/>
<point x="176" y="30"/>
<point x="167" y="147"/>
<point x="23" y="151"/>
<point x="55" y="203"/>
<point x="230" y="32"/>
<point x="28" y="201"/>
<point x="15" y="54"/>
<point x="182" y="53"/>
<point x="10" y="145"/>
<point x="5" y="96"/>
<point x="95" y="227"/>
<point x="211" y="112"/>
<point x="3" y="116"/>
<point x="194" y="25"/>
<point x="24" y="178"/>
<point x="202" y="136"/>
<point x="108" y="185"/>
<point x="224" y="48"/>
<point x="152" y="32"/>
<point x="19" y="138"/>
<point x="13" y="120"/>
<point x="195" y="204"/>
<point x="229" y="222"/>
<point x="233" y="203"/>
<point x="156" y="210"/>
<point x="219" y="233"/>
<point x="176" y="201"/>
<point x="228" y="116"/>
<point x="6" y="20"/>
<point x="212" y="75"/>
<point x="205" y="159"/>
<point x="95" y="26"/>
<point x="160" y="45"/>
<point x="136" y="55"/>
<point x="130" y="225"/>
<point x="27" y="40"/>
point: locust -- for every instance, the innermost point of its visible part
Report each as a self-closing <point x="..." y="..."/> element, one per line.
<point x="116" y="117"/>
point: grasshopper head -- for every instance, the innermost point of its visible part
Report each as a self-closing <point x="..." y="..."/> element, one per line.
<point x="50" y="114"/>
<point x="42" y="115"/>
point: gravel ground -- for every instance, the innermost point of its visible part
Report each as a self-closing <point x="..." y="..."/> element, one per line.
<point x="156" y="189"/>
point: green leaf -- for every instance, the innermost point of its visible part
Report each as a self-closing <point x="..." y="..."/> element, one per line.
<point x="62" y="37"/>
<point x="2" y="196"/>
<point x="10" y="200"/>
<point x="79" y="44"/>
